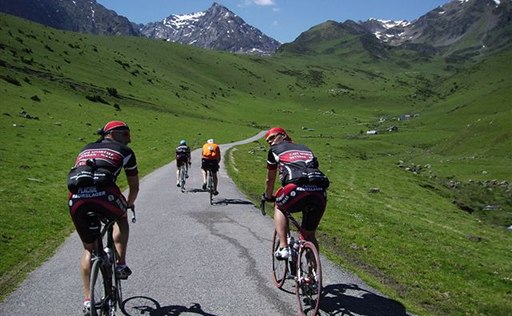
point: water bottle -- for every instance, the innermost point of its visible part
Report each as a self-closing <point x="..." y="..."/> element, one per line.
<point x="108" y="252"/>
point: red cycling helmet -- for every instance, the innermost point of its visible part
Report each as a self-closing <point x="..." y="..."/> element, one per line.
<point x="276" y="131"/>
<point x="115" y="125"/>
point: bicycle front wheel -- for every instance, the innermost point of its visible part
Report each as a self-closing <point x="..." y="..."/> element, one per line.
<point x="279" y="267"/>
<point x="308" y="282"/>
<point x="100" y="289"/>
<point x="118" y="290"/>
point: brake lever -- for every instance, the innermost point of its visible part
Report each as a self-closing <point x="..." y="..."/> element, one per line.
<point x="134" y="219"/>
<point x="262" y="207"/>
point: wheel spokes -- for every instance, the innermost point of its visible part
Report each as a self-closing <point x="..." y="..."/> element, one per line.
<point x="309" y="280"/>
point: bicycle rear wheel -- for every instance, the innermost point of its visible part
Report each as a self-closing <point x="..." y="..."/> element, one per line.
<point x="210" y="186"/>
<point x="308" y="283"/>
<point x="279" y="267"/>
<point x="100" y="290"/>
<point x="182" y="178"/>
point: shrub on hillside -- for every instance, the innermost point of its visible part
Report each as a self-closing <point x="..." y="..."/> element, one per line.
<point x="10" y="79"/>
<point x="113" y="92"/>
<point x="96" y="98"/>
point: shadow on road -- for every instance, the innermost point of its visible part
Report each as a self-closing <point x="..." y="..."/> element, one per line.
<point x="195" y="190"/>
<point x="232" y="201"/>
<point x="337" y="301"/>
<point x="143" y="305"/>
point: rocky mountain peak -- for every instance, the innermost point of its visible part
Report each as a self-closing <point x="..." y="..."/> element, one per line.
<point x="216" y="28"/>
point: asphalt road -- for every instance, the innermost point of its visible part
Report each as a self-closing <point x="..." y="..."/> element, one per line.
<point x="192" y="258"/>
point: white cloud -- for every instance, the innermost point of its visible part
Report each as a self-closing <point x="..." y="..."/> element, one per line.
<point x="264" y="2"/>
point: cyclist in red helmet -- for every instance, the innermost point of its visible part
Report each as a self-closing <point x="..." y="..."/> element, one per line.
<point x="98" y="196"/>
<point x="303" y="186"/>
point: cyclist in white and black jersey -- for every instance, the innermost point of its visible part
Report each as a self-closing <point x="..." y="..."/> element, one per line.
<point x="183" y="157"/>
<point x="100" y="197"/>
<point x="298" y="192"/>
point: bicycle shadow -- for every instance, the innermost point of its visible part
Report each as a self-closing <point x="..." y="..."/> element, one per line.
<point x="143" y="305"/>
<point x="232" y="201"/>
<point x="336" y="300"/>
<point x="196" y="190"/>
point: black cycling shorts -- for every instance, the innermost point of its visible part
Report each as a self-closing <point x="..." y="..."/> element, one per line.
<point x="90" y="204"/>
<point x="311" y="200"/>
<point x="210" y="164"/>
<point x="181" y="160"/>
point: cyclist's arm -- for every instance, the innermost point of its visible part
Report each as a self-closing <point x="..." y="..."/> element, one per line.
<point x="133" y="186"/>
<point x="269" y="183"/>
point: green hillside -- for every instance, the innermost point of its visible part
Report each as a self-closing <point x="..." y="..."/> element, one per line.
<point x="419" y="240"/>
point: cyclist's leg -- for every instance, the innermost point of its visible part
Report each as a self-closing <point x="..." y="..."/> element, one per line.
<point x="284" y="201"/>
<point x="116" y="209"/>
<point x="85" y="268"/>
<point x="177" y="171"/>
<point x="121" y="235"/>
<point x="281" y="225"/>
<point x="203" y="171"/>
<point x="312" y="212"/>
<point x="88" y="230"/>
<point x="215" y="170"/>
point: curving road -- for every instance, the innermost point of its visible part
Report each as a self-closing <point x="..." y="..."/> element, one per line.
<point x="193" y="258"/>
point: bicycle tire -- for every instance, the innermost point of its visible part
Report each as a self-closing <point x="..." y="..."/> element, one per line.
<point x="182" y="178"/>
<point x="99" y="289"/>
<point x="279" y="267"/>
<point x="118" y="288"/>
<point x="210" y="186"/>
<point x="308" y="282"/>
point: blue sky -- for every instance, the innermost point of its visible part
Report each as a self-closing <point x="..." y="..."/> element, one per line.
<point x="282" y="20"/>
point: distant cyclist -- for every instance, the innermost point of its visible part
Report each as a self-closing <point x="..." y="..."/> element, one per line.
<point x="210" y="161"/>
<point x="94" y="194"/>
<point x="183" y="157"/>
<point x="303" y="186"/>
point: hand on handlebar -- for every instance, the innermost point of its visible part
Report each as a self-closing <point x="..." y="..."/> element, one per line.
<point x="132" y="208"/>
<point x="268" y="198"/>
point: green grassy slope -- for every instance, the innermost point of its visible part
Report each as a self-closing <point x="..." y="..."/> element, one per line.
<point x="410" y="239"/>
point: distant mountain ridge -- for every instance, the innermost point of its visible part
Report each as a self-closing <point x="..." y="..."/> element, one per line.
<point x="453" y="22"/>
<point x="217" y="28"/>
<point x="461" y="28"/>
<point x="85" y="16"/>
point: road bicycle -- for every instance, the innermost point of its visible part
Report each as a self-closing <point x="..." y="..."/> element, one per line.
<point x="209" y="184"/>
<point x="182" y="176"/>
<point x="106" y="291"/>
<point x="303" y="266"/>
